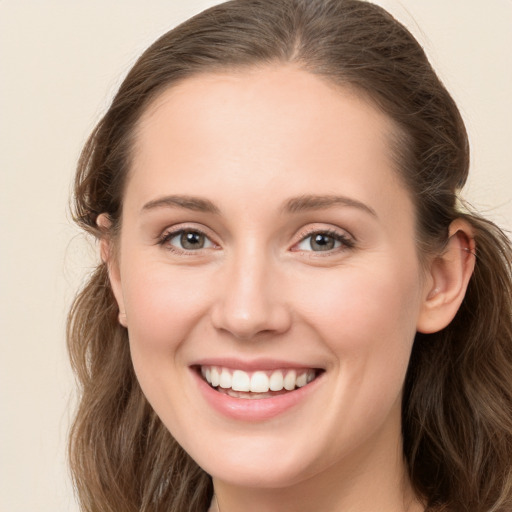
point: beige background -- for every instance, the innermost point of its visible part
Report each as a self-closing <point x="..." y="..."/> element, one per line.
<point x="60" y="62"/>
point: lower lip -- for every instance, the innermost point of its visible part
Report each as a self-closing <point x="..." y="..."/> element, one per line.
<point x="247" y="409"/>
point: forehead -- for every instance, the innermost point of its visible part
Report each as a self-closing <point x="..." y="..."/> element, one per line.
<point x="292" y="97"/>
<point x="253" y="128"/>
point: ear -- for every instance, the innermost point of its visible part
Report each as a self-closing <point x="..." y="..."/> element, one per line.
<point x="447" y="279"/>
<point x="108" y="257"/>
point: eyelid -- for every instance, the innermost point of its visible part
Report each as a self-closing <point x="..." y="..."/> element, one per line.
<point x="171" y="232"/>
<point x="346" y="239"/>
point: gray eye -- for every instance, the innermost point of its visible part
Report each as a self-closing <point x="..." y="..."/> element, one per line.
<point x="190" y="241"/>
<point x="322" y="242"/>
<point x="319" y="242"/>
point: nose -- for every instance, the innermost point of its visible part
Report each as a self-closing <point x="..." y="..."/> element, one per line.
<point x="251" y="300"/>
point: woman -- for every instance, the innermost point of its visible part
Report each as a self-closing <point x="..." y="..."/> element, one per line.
<point x="294" y="311"/>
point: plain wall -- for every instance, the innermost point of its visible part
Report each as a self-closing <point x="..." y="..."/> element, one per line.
<point x="60" y="63"/>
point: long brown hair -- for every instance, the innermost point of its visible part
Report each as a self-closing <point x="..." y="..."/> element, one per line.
<point x="457" y="405"/>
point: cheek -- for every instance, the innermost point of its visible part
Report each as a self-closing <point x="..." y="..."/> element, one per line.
<point x="366" y="318"/>
<point x="163" y="304"/>
<point x="366" y="315"/>
<point x="381" y="294"/>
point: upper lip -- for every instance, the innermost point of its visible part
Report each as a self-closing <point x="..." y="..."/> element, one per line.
<point x="251" y="365"/>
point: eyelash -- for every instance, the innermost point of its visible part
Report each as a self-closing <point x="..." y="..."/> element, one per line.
<point x="345" y="241"/>
<point x="169" y="235"/>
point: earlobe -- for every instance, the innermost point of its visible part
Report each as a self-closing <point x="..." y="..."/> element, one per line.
<point x="107" y="255"/>
<point x="448" y="279"/>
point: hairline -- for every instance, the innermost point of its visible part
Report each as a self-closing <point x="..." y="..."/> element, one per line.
<point x="398" y="139"/>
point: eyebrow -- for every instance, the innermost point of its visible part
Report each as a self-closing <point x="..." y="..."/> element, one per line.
<point x="320" y="202"/>
<point x="196" y="204"/>
<point x="293" y="205"/>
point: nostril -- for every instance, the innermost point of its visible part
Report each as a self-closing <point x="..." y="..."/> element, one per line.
<point x="250" y="304"/>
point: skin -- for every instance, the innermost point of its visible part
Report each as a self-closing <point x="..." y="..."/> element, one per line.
<point x="249" y="142"/>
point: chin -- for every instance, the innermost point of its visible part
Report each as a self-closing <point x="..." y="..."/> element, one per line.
<point x="270" y="475"/>
<point x="265" y="461"/>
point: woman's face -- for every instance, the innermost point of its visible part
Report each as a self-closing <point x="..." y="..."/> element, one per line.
<point x="267" y="241"/>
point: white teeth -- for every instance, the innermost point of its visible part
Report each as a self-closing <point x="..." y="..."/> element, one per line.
<point x="257" y="382"/>
<point x="289" y="380"/>
<point x="241" y="381"/>
<point x="301" y="380"/>
<point x="225" y="379"/>
<point x="215" y="377"/>
<point x="250" y="396"/>
<point x="276" y="381"/>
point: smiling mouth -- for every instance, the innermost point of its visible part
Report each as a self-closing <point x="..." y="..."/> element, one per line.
<point x="258" y="384"/>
